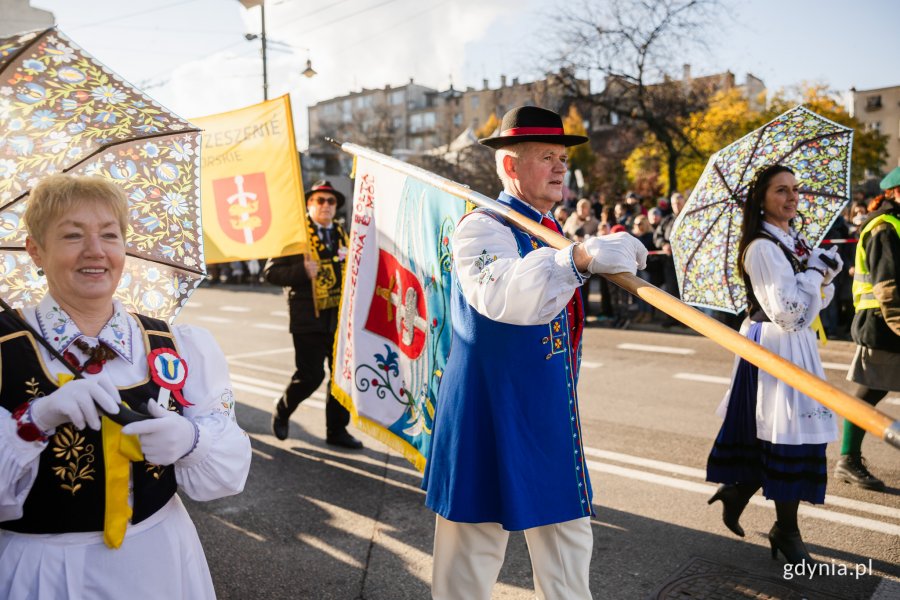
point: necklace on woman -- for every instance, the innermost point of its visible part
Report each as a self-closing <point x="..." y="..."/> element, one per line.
<point x="97" y="356"/>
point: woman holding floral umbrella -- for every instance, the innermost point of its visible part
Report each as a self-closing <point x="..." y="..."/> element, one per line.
<point x="774" y="437"/>
<point x="87" y="507"/>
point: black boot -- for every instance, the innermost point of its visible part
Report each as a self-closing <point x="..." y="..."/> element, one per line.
<point x="791" y="546"/>
<point x="280" y="425"/>
<point x="734" y="501"/>
<point x="851" y="468"/>
<point x="343" y="439"/>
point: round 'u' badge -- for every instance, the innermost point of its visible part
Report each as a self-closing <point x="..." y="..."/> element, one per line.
<point x="169" y="371"/>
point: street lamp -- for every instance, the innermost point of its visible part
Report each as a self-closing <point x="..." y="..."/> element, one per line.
<point x="307" y="72"/>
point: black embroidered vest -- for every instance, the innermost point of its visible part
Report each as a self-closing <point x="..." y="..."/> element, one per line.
<point x="69" y="492"/>
<point x="331" y="266"/>
<point x="754" y="309"/>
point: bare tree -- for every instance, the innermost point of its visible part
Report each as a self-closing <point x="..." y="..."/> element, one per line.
<point x="472" y="166"/>
<point x="633" y="45"/>
<point x="374" y="129"/>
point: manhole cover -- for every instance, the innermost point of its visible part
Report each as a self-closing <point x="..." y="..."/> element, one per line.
<point x="702" y="579"/>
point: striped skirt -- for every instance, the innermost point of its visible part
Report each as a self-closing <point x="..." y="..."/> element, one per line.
<point x="785" y="472"/>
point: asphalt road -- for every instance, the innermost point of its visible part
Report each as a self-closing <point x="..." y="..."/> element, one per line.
<point x="317" y="522"/>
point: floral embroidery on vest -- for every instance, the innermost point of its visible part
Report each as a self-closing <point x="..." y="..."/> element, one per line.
<point x="77" y="457"/>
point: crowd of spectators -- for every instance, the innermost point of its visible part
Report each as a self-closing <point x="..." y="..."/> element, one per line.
<point x="652" y="222"/>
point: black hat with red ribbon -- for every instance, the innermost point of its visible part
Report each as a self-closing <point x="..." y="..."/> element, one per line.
<point x="323" y="185"/>
<point x="532" y="124"/>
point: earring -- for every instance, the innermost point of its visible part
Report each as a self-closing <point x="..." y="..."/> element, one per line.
<point x="40" y="272"/>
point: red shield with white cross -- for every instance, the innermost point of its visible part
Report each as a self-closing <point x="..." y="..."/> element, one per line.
<point x="242" y="206"/>
<point x="398" y="309"/>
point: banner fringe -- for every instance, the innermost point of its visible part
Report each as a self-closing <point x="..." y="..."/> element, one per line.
<point x="379" y="432"/>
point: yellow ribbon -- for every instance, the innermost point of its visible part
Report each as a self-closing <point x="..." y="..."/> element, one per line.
<point x="119" y="451"/>
<point x="818" y="328"/>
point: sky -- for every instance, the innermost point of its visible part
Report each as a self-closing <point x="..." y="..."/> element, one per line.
<point x="192" y="56"/>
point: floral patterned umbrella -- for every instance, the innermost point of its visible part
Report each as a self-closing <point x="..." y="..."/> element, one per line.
<point x="706" y="234"/>
<point x="62" y="111"/>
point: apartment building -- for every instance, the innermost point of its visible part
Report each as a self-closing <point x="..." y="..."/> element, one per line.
<point x="412" y="118"/>
<point x="879" y="109"/>
<point x="18" y="15"/>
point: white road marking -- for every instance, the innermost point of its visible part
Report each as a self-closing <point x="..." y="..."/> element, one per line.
<point x="192" y="304"/>
<point x="279" y="313"/>
<point x="659" y="349"/>
<point x="272" y="390"/>
<point x="314" y="401"/>
<point x="645" y="462"/>
<point x="702" y="378"/>
<point x="262" y="383"/>
<point x="895" y="401"/>
<point x="272" y="326"/>
<point x="587" y="364"/>
<point x="658" y="465"/>
<point x="833" y="366"/>
<point x="261" y="368"/>
<point x="236" y="309"/>
<point x="231" y="357"/>
<point x="707" y="489"/>
<point x="213" y="319"/>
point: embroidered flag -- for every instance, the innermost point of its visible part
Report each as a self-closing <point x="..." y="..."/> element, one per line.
<point x="252" y="193"/>
<point x="394" y="332"/>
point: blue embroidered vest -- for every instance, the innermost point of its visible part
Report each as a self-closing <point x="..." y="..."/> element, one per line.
<point x="507" y="444"/>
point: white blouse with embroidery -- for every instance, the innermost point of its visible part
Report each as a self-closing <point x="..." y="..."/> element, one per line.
<point x="215" y="468"/>
<point x="791" y="301"/>
<point x="506" y="287"/>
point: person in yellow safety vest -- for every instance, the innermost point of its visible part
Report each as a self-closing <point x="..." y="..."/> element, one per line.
<point x="876" y="325"/>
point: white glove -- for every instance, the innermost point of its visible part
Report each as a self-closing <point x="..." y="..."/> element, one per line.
<point x="815" y="262"/>
<point x="76" y="402"/>
<point x="165" y="438"/>
<point x="831" y="273"/>
<point x="616" y="253"/>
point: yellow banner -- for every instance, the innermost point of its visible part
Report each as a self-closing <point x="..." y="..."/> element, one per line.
<point x="252" y="192"/>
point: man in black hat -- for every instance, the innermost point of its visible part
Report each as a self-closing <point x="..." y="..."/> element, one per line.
<point x="506" y="450"/>
<point x="313" y="285"/>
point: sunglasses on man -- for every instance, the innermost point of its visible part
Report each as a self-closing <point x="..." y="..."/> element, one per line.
<point x="330" y="200"/>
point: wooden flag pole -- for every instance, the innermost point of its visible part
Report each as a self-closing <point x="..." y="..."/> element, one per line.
<point x="851" y="408"/>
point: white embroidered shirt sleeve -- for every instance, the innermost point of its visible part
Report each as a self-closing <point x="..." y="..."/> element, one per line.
<point x="504" y="286"/>
<point x="790" y="300"/>
<point x="219" y="464"/>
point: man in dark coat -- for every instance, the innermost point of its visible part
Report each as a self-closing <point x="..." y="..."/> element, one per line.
<point x="313" y="285"/>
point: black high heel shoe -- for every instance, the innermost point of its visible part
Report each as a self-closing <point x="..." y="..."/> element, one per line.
<point x="790" y="544"/>
<point x="733" y="505"/>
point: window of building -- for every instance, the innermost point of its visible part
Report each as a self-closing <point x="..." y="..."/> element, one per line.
<point x="457" y="120"/>
<point x="397" y="97"/>
<point x="428" y="120"/>
<point x="475" y="101"/>
<point x="397" y="122"/>
<point x="873" y="102"/>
